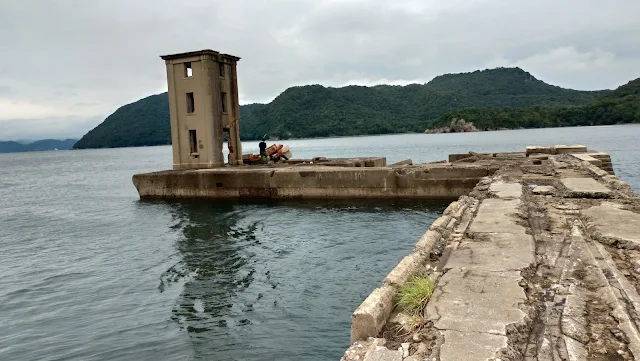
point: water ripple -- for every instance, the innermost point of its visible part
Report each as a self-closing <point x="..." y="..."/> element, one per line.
<point x="89" y="272"/>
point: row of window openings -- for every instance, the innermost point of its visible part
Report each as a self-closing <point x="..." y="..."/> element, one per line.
<point x="188" y="70"/>
<point x="191" y="105"/>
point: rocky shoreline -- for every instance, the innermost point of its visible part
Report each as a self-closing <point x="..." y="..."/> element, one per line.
<point x="455" y="126"/>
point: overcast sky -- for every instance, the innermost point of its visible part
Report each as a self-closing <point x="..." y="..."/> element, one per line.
<point x="67" y="64"/>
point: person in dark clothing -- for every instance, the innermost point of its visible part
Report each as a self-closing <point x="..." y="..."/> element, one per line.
<point x="263" y="150"/>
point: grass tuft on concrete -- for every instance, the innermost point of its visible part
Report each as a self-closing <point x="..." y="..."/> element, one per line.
<point x="413" y="298"/>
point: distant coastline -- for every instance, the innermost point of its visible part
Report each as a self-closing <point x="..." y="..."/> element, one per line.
<point x="36" y="146"/>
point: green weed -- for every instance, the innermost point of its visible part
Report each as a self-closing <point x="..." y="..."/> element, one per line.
<point x="413" y="298"/>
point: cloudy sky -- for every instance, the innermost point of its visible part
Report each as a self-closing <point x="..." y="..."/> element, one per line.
<point x="67" y="64"/>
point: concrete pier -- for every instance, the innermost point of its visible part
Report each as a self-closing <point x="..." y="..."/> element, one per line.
<point x="540" y="261"/>
<point x="538" y="257"/>
<point x="335" y="179"/>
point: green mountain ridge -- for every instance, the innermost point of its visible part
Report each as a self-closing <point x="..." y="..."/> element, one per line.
<point x="621" y="106"/>
<point x="318" y="111"/>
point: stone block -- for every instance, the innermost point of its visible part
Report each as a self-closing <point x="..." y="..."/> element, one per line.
<point x="566" y="149"/>
<point x="440" y="225"/>
<point x="613" y="224"/>
<point x="506" y="190"/>
<point x="539" y="150"/>
<point x="410" y="266"/>
<point x="585" y="187"/>
<point x="452" y="208"/>
<point x="460" y="211"/>
<point x="587" y="158"/>
<point x="598" y="171"/>
<point x="372" y="314"/>
<point x="543" y="190"/>
<point x="428" y="240"/>
<point x="497" y="216"/>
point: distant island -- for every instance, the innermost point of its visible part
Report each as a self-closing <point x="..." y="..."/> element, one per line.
<point x="502" y="98"/>
<point x="40" y="145"/>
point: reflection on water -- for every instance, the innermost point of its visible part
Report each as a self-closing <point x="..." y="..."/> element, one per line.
<point x="279" y="280"/>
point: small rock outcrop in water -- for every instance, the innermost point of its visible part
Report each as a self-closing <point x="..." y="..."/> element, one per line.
<point x="456" y="126"/>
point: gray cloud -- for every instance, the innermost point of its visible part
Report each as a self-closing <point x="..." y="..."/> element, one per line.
<point x="71" y="62"/>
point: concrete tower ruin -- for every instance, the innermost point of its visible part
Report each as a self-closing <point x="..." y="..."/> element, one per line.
<point x="203" y="105"/>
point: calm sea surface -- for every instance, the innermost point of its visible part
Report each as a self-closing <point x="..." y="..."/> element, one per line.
<point x="90" y="272"/>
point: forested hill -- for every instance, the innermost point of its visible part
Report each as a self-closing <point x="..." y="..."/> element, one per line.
<point x="318" y="111"/>
<point x="618" y="107"/>
<point x="145" y="122"/>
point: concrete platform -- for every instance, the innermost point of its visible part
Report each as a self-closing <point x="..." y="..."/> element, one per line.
<point x="425" y="181"/>
<point x="614" y="225"/>
<point x="585" y="187"/>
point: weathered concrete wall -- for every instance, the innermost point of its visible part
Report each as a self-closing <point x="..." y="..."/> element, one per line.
<point x="436" y="181"/>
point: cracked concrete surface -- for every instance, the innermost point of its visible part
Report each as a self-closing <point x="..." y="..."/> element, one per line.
<point x="480" y="295"/>
<point x="477" y="301"/>
<point x="496" y="252"/>
<point x="536" y="272"/>
<point x="494" y="216"/>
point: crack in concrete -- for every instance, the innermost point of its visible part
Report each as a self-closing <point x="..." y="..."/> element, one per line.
<point x="564" y="299"/>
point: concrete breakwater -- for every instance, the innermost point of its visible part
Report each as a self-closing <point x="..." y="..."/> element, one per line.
<point x="540" y="261"/>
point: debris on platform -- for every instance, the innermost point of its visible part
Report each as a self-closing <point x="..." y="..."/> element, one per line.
<point x="275" y="153"/>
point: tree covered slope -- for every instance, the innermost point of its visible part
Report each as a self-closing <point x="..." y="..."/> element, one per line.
<point x="318" y="111"/>
<point x="618" y="107"/>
